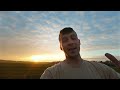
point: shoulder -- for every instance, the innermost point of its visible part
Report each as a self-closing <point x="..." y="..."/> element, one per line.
<point x="99" y="66"/>
<point x="104" y="70"/>
<point x="94" y="64"/>
<point x="52" y="71"/>
<point x="54" y="67"/>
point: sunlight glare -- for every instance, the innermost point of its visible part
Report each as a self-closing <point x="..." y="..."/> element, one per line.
<point x="47" y="58"/>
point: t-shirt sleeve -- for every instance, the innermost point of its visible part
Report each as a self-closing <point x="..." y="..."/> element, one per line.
<point x="110" y="73"/>
<point x="46" y="75"/>
<point x="52" y="72"/>
<point x="113" y="74"/>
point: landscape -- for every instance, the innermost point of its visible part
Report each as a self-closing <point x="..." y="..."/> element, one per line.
<point x="22" y="70"/>
<point x="30" y="42"/>
<point x="29" y="70"/>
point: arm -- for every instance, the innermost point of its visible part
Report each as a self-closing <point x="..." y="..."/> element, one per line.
<point x="115" y="61"/>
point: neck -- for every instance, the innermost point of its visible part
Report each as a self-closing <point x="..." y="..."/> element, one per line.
<point x="74" y="60"/>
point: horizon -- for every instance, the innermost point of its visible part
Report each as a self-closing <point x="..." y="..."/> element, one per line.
<point x="87" y="59"/>
<point x="33" y="35"/>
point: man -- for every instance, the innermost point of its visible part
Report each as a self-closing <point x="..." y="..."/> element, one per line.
<point x="74" y="67"/>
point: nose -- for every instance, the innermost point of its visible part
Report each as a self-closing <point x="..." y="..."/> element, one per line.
<point x="70" y="42"/>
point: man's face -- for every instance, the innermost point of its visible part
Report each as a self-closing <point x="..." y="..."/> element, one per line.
<point x="70" y="44"/>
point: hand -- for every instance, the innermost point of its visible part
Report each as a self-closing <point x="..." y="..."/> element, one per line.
<point x="113" y="59"/>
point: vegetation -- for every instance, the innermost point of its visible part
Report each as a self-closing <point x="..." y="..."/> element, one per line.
<point x="22" y="70"/>
<point x="28" y="70"/>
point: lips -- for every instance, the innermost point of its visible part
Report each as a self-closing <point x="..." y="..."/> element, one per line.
<point x="72" y="49"/>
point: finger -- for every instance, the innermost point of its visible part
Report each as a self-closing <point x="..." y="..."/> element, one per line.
<point x="113" y="59"/>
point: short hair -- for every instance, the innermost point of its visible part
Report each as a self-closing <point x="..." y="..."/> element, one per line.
<point x="66" y="30"/>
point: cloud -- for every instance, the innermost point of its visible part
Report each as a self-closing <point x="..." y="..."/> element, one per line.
<point x="101" y="32"/>
<point x="86" y="27"/>
<point x="36" y="32"/>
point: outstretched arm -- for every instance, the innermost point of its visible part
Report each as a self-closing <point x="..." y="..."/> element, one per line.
<point x="113" y="59"/>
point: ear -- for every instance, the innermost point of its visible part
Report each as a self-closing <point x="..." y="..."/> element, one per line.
<point x="79" y="41"/>
<point x="61" y="47"/>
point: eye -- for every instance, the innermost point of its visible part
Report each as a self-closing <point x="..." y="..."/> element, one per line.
<point x="64" y="39"/>
<point x="74" y="37"/>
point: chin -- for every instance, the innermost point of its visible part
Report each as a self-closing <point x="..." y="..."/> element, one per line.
<point x="73" y="56"/>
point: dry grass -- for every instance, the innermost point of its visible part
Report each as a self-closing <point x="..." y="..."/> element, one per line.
<point x="25" y="70"/>
<point x="22" y="70"/>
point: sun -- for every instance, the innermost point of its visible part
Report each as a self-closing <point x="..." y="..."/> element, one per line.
<point x="35" y="58"/>
<point x="46" y="58"/>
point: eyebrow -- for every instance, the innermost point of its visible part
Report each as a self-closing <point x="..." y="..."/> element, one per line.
<point x="74" y="35"/>
<point x="64" y="36"/>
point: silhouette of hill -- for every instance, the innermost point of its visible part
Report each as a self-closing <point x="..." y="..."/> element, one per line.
<point x="22" y="69"/>
<point x="30" y="70"/>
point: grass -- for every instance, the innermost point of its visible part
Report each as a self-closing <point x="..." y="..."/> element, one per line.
<point x="22" y="70"/>
<point x="25" y="70"/>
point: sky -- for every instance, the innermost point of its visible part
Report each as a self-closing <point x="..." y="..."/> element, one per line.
<point x="33" y="35"/>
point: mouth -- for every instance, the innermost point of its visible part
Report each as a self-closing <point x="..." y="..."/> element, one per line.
<point x="72" y="49"/>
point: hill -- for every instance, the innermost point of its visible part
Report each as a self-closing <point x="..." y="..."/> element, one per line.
<point x="22" y="70"/>
<point x="29" y="70"/>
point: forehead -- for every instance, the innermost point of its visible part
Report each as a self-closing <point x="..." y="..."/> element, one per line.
<point x="68" y="34"/>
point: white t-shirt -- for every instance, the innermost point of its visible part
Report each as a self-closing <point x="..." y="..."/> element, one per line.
<point x="86" y="70"/>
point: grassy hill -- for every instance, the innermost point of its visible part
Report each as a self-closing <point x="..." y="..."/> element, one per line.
<point x="27" y="70"/>
<point x="22" y="70"/>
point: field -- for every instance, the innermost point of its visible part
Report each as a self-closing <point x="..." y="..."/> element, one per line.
<point x="22" y="70"/>
<point x="25" y="70"/>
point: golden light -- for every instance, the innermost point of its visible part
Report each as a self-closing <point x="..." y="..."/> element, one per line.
<point x="36" y="58"/>
<point x="47" y="57"/>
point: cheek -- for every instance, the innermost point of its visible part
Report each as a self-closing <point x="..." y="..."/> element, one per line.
<point x="64" y="46"/>
<point x="78" y="43"/>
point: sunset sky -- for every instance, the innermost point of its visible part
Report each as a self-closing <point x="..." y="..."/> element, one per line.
<point x="33" y="35"/>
